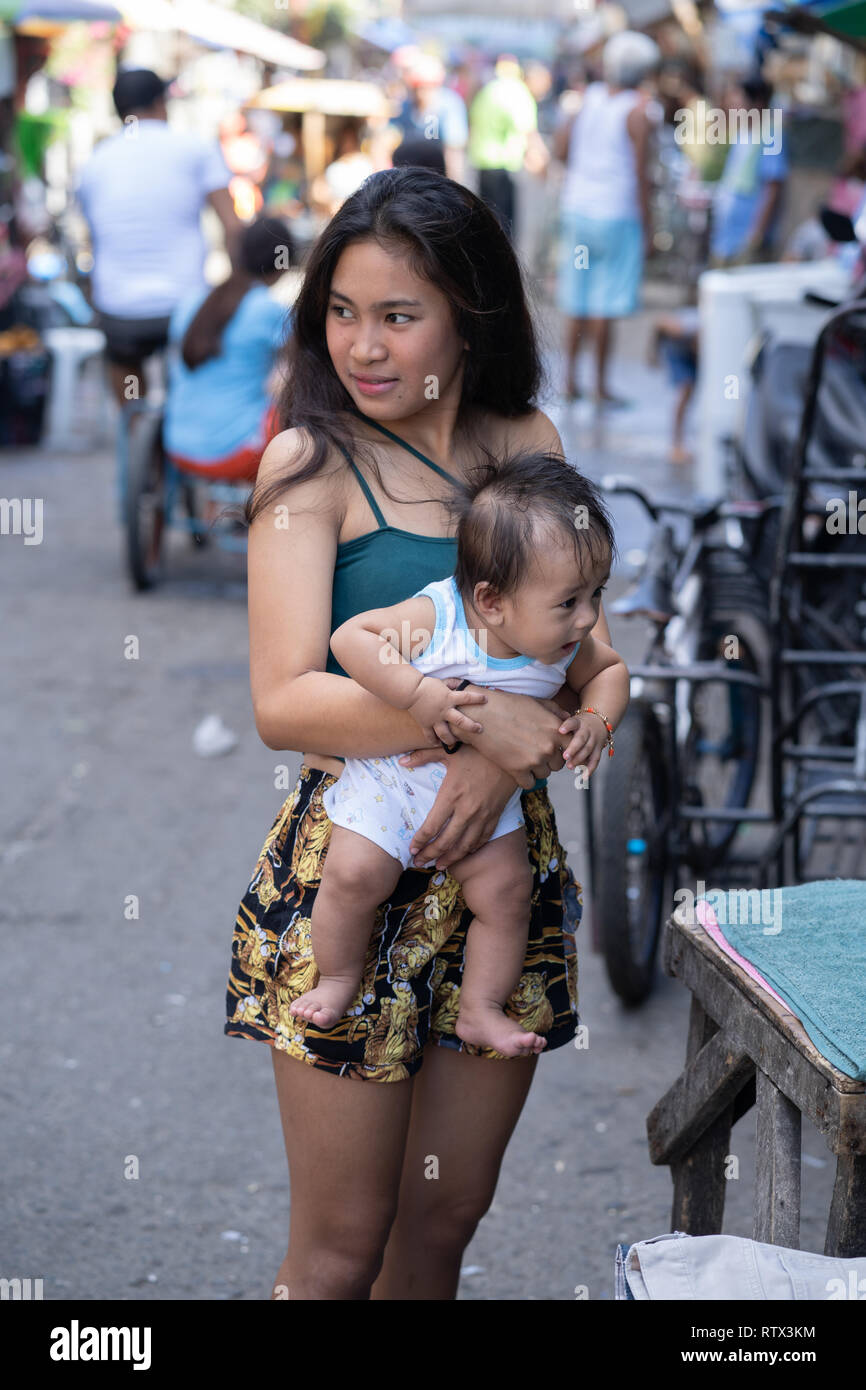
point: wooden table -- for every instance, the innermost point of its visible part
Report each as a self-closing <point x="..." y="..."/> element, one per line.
<point x="745" y="1048"/>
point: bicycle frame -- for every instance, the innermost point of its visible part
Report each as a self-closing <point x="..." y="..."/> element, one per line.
<point x="666" y="680"/>
<point x="176" y="481"/>
<point x="706" y="581"/>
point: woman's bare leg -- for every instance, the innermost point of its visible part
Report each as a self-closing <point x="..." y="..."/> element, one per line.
<point x="357" y="876"/>
<point x="345" y="1142"/>
<point x="464" y="1110"/>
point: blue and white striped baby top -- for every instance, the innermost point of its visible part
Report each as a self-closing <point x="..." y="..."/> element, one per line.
<point x="454" y="651"/>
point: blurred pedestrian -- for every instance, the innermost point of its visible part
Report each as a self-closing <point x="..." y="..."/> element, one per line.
<point x="346" y="172"/>
<point x="142" y="193"/>
<point x="218" y="416"/>
<point x="534" y="196"/>
<point x="605" y="203"/>
<point x="748" y="197"/>
<point x="675" y="339"/>
<point x="682" y="94"/>
<point x="503" y="137"/>
<point x="420" y="153"/>
<point x="247" y="157"/>
<point x="432" y="111"/>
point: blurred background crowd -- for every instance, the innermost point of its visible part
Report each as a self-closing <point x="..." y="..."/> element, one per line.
<point x="606" y="137"/>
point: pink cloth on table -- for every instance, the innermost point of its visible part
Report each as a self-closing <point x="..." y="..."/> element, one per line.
<point x="707" y="918"/>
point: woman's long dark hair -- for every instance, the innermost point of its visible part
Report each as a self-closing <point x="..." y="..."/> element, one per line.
<point x="266" y="246"/>
<point x="453" y="240"/>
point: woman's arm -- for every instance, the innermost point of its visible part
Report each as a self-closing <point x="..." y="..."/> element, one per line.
<point x="291" y="555"/>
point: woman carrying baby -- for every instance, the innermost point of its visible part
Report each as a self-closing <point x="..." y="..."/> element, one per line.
<point x="413" y="358"/>
<point x="527" y="577"/>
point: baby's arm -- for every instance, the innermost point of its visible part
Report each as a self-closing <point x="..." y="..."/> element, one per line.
<point x="376" y="648"/>
<point x="600" y="677"/>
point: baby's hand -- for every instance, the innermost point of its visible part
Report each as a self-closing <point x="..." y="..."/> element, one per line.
<point x="435" y="708"/>
<point x="590" y="736"/>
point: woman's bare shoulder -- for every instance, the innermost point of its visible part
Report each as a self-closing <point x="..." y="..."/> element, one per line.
<point x="288" y="453"/>
<point x="535" y="430"/>
<point x="285" y="457"/>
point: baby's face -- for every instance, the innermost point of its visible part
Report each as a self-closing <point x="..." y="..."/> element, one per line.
<point x="557" y="605"/>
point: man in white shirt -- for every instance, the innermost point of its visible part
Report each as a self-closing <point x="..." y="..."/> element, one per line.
<point x="142" y="193"/>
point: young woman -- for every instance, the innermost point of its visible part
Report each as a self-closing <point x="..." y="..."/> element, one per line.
<point x="412" y="348"/>
<point x="219" y="411"/>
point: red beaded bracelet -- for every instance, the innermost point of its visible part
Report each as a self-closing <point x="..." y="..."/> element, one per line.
<point x="607" y="724"/>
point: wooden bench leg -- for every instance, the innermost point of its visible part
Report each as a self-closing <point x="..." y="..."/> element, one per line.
<point x="777" y="1186"/>
<point x="846" y="1229"/>
<point x="699" y="1181"/>
<point x="699" y="1177"/>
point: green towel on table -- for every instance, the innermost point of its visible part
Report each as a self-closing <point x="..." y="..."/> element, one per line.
<point x="809" y="943"/>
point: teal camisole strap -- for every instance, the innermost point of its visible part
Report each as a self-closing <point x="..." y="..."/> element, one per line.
<point x="381" y="523"/>
<point x="374" y="506"/>
<point x="397" y="440"/>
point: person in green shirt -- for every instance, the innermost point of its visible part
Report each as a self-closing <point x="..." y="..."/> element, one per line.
<point x="503" y="136"/>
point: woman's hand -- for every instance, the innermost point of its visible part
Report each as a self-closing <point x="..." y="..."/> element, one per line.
<point x="466" y="811"/>
<point x="521" y="735"/>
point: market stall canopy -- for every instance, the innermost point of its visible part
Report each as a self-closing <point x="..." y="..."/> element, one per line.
<point x="208" y="23"/>
<point x="844" y="19"/>
<point x="221" y="28"/>
<point x="21" y="12"/>
<point x="328" y="96"/>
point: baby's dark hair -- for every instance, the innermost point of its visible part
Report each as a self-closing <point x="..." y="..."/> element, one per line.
<point x="510" y="504"/>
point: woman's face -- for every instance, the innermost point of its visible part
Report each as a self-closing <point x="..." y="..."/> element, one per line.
<point x="391" y="335"/>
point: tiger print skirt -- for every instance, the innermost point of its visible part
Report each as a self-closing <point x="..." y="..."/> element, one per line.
<point x="410" y="991"/>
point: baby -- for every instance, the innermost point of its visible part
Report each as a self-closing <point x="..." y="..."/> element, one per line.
<point x="534" y="548"/>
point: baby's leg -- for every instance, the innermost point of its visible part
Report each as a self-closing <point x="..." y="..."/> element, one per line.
<point x="497" y="888"/>
<point x="357" y="876"/>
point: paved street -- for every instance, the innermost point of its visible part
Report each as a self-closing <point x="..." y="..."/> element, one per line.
<point x="112" y="1044"/>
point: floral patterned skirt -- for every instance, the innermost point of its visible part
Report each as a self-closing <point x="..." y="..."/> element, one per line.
<point x="410" y="990"/>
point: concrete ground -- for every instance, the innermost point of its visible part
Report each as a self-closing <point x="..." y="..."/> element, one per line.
<point x="114" y="1059"/>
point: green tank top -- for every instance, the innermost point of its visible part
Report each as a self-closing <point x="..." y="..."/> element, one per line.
<point x="387" y="565"/>
<point x="384" y="566"/>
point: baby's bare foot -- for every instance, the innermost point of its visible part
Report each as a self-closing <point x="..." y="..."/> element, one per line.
<point x="325" y="1005"/>
<point x="486" y="1025"/>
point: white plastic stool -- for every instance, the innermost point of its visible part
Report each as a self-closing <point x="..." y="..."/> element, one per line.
<point x="70" y="348"/>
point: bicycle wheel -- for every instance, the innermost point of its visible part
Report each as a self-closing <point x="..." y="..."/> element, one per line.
<point x="632" y="870"/>
<point x="723" y="747"/>
<point x="145" y="503"/>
